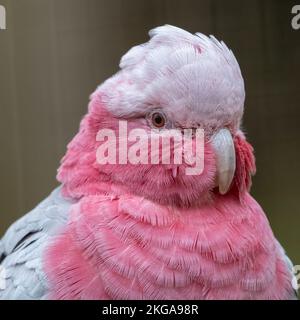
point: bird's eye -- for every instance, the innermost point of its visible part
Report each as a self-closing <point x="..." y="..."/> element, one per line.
<point x="158" y="119"/>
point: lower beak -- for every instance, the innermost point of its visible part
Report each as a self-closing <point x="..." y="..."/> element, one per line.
<point x="225" y="158"/>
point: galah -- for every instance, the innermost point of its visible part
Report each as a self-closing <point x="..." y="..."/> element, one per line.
<point x="150" y="231"/>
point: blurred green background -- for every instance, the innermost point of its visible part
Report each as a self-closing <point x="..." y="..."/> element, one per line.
<point x="55" y="52"/>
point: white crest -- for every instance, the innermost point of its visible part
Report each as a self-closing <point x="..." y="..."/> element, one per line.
<point x="179" y="71"/>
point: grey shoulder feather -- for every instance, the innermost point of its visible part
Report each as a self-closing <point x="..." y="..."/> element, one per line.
<point x="22" y="248"/>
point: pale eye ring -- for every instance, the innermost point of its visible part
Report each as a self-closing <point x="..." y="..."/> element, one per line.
<point x="158" y="119"/>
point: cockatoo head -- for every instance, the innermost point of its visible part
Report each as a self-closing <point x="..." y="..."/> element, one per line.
<point x="175" y="81"/>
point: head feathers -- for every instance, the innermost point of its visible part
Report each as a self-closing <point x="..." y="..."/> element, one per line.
<point x="194" y="78"/>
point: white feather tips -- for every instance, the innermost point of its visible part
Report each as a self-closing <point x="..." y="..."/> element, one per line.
<point x="194" y="77"/>
<point x="171" y="36"/>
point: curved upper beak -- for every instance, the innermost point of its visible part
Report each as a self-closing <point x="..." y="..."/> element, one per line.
<point x="223" y="145"/>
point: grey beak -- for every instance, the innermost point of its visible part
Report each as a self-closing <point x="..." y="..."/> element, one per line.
<point x="225" y="157"/>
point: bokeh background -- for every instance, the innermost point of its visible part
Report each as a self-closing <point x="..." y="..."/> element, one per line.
<point x="55" y="52"/>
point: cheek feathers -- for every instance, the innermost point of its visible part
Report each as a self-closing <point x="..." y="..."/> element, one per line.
<point x="245" y="165"/>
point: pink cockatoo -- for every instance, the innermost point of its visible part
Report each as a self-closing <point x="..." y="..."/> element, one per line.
<point x="150" y="231"/>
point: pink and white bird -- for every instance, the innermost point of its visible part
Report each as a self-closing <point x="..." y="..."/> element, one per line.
<point x="149" y="231"/>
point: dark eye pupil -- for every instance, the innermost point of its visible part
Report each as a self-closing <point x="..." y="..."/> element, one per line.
<point x="158" y="120"/>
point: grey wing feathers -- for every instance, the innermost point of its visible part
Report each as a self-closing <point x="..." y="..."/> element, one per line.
<point x="291" y="268"/>
<point x="22" y="247"/>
